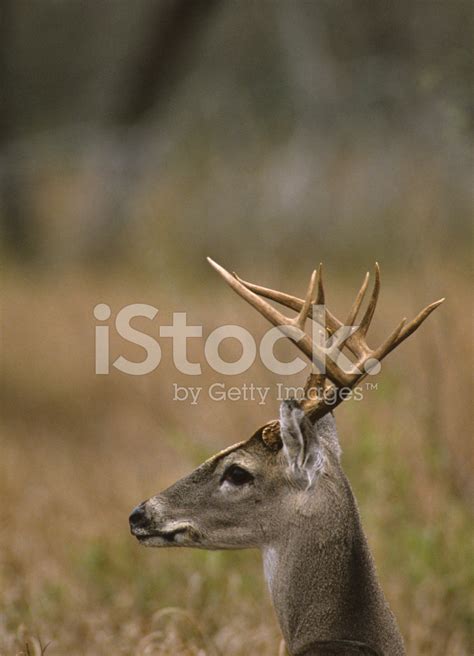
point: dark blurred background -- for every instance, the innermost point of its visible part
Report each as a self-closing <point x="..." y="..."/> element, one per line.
<point x="166" y="130"/>
<point x="137" y="138"/>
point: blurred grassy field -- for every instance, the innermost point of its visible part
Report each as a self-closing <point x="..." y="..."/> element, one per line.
<point x="78" y="451"/>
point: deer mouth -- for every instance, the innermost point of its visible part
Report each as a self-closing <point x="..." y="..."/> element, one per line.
<point x="169" y="536"/>
<point x="175" y="536"/>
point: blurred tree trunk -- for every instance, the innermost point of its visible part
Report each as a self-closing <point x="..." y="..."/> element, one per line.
<point x="165" y="54"/>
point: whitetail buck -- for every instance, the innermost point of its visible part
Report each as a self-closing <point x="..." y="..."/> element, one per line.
<point x="284" y="491"/>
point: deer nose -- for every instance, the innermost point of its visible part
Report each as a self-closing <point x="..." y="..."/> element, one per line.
<point x="138" y="517"/>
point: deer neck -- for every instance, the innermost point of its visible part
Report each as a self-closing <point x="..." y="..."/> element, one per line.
<point x="323" y="581"/>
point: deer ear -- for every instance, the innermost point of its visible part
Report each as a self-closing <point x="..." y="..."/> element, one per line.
<point x="327" y="433"/>
<point x="301" y="444"/>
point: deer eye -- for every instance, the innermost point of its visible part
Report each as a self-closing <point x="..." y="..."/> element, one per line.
<point x="237" y="475"/>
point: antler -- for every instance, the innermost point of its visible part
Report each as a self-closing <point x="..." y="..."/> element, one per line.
<point x="342" y="335"/>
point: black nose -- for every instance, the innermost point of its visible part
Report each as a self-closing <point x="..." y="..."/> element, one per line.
<point x="138" y="518"/>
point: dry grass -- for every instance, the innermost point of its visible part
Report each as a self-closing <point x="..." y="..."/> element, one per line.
<point x="78" y="451"/>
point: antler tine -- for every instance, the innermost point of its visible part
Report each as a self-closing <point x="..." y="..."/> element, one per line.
<point x="415" y="323"/>
<point x="400" y="333"/>
<point x="358" y="301"/>
<point x="320" y="295"/>
<point x="389" y="343"/>
<point x="300" y="320"/>
<point x="369" y="313"/>
<point x="286" y="300"/>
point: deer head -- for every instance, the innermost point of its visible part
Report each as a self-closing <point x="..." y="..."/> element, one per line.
<point x="283" y="489"/>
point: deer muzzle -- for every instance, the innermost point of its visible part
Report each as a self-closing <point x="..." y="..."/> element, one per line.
<point x="154" y="531"/>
